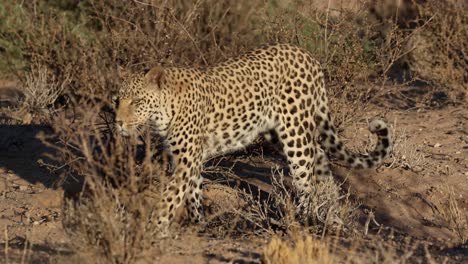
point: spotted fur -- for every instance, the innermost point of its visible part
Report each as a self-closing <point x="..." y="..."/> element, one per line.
<point x="205" y="112"/>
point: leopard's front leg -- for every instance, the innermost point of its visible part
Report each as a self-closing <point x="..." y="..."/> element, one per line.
<point x="183" y="186"/>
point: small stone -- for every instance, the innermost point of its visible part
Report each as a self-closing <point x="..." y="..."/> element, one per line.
<point x="417" y="169"/>
<point x="23" y="188"/>
<point x="458" y="152"/>
<point x="36" y="223"/>
<point x="437" y="145"/>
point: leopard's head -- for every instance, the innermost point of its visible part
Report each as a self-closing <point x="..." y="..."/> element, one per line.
<point x="137" y="100"/>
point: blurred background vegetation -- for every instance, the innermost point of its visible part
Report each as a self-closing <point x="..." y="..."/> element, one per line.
<point x="77" y="44"/>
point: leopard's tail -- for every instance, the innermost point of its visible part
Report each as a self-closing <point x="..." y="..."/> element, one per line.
<point x="333" y="145"/>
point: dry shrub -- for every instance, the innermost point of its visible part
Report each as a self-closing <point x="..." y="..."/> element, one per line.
<point x="455" y="216"/>
<point x="405" y="154"/>
<point x="41" y="89"/>
<point x="84" y="41"/>
<point x="330" y="208"/>
<point x="438" y="49"/>
<point x="111" y="219"/>
<point x="430" y="37"/>
<point x="263" y="212"/>
<point x="304" y="249"/>
<point x="270" y="213"/>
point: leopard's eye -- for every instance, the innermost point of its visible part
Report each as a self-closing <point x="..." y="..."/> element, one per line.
<point x="137" y="101"/>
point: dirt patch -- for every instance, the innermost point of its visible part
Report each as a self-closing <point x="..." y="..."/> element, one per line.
<point x="410" y="197"/>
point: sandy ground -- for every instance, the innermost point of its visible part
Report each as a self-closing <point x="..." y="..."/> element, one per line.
<point x="408" y="194"/>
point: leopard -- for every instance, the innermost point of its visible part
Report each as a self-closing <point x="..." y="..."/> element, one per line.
<point x="203" y="112"/>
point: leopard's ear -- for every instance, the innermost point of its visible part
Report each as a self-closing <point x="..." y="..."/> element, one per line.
<point x="155" y="76"/>
<point x="122" y="72"/>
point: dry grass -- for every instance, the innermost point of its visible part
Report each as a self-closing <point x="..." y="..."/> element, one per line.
<point x="111" y="219"/>
<point x="41" y="89"/>
<point x="273" y="210"/>
<point x="305" y="250"/>
<point x="453" y="215"/>
<point x="405" y="154"/>
<point x="309" y="249"/>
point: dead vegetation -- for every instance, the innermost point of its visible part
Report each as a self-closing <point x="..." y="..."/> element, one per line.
<point x="308" y="249"/>
<point x="305" y="250"/>
<point x="430" y="37"/>
<point x="453" y="215"/>
<point x="111" y="217"/>
<point x="74" y="54"/>
<point x="266" y="212"/>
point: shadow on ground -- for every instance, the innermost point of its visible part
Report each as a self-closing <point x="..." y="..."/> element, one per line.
<point x="24" y="154"/>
